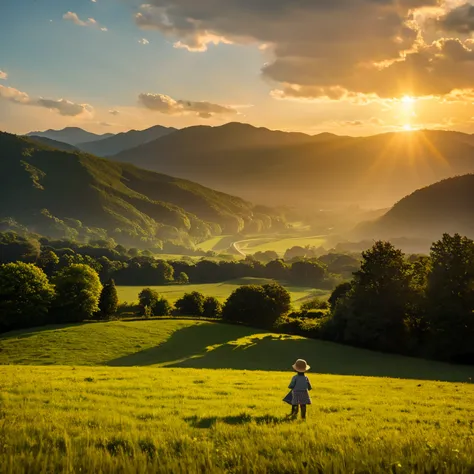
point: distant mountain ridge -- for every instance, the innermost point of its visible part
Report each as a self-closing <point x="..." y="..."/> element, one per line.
<point x="70" y="135"/>
<point x="63" y="194"/>
<point x="54" y="143"/>
<point x="279" y="168"/>
<point x="124" y="141"/>
<point x="444" y="207"/>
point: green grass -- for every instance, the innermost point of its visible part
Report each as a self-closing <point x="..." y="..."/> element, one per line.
<point x="221" y="291"/>
<point x="177" y="413"/>
<point x="124" y="420"/>
<point x="279" y="245"/>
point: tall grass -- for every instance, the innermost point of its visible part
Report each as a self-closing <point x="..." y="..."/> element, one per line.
<point x="124" y="420"/>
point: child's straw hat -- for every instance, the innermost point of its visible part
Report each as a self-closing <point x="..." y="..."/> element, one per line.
<point x="301" y="366"/>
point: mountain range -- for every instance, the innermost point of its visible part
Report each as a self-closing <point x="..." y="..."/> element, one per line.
<point x="62" y="194"/>
<point x="325" y="171"/>
<point x="124" y="141"/>
<point x="70" y="135"/>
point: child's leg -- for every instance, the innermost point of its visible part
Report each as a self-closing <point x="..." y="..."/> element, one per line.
<point x="294" y="410"/>
<point x="303" y="412"/>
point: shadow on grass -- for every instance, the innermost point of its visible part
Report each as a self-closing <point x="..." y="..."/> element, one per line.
<point x="29" y="332"/>
<point x="221" y="346"/>
<point x="242" y="419"/>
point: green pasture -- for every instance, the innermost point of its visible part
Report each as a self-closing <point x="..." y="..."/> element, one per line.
<point x="221" y="291"/>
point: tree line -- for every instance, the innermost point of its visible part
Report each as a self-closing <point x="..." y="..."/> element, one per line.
<point x="143" y="268"/>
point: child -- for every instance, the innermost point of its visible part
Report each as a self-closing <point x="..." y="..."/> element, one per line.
<point x="299" y="385"/>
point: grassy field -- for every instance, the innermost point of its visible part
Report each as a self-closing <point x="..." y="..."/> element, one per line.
<point x="279" y="245"/>
<point x="146" y="397"/>
<point x="219" y="290"/>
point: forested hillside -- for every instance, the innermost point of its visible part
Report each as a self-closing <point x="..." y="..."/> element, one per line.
<point x="296" y="169"/>
<point x="76" y="195"/>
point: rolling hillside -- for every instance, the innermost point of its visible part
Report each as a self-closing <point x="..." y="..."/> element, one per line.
<point x="71" y="135"/>
<point x="444" y="207"/>
<point x="124" y="141"/>
<point x="58" y="193"/>
<point x="296" y="169"/>
<point x="53" y="143"/>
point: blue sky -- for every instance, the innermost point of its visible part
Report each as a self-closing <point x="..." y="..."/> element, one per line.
<point x="294" y="66"/>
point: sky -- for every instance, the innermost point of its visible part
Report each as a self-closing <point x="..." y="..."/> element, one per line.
<point x="351" y="67"/>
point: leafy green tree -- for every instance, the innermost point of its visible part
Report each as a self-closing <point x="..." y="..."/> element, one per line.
<point x="191" y="304"/>
<point x="277" y="270"/>
<point x="78" y="290"/>
<point x="339" y="292"/>
<point x="182" y="279"/>
<point x="450" y="296"/>
<point x="308" y="272"/>
<point x="212" y="308"/>
<point x="257" y="305"/>
<point x="148" y="297"/>
<point x="377" y="307"/>
<point x="14" y="247"/>
<point x="25" y="296"/>
<point x="162" y="307"/>
<point x="48" y="261"/>
<point x="108" y="302"/>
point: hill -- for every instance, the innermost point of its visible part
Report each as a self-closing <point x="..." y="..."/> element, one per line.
<point x="297" y="169"/>
<point x="140" y="397"/>
<point x="198" y="344"/>
<point x="70" y="135"/>
<point x="124" y="141"/>
<point x="444" y="207"/>
<point x="62" y="194"/>
<point x="53" y="143"/>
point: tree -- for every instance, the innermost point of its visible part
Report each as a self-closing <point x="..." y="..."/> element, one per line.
<point x="108" y="302"/>
<point x="191" y="304"/>
<point x="212" y="308"/>
<point x="277" y="270"/>
<point x="14" y="247"/>
<point x="78" y="290"/>
<point x="182" y="279"/>
<point x="48" y="261"/>
<point x="377" y="306"/>
<point x="148" y="298"/>
<point x="339" y="292"/>
<point x="450" y="296"/>
<point x="161" y="307"/>
<point x="257" y="305"/>
<point x="25" y="296"/>
<point x="308" y="272"/>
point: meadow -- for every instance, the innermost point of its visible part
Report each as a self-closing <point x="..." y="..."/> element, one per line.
<point x="221" y="291"/>
<point x="278" y="244"/>
<point x="187" y="396"/>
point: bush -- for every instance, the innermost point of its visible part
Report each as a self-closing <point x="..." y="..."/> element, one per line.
<point x="312" y="328"/>
<point x="108" y="301"/>
<point x="25" y="296"/>
<point x="161" y="307"/>
<point x="191" y="304"/>
<point x="257" y="305"/>
<point x="78" y="290"/>
<point x="315" y="303"/>
<point x="212" y="308"/>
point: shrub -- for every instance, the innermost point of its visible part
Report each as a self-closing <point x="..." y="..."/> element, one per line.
<point x="25" y="296"/>
<point x="315" y="303"/>
<point x="108" y="301"/>
<point x="212" y="308"/>
<point x="78" y="290"/>
<point x="191" y="304"/>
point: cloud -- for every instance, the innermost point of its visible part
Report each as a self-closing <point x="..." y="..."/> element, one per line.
<point x="3" y="75"/>
<point x="166" y="105"/>
<point x="114" y="112"/>
<point x="459" y="20"/>
<point x="143" y="41"/>
<point x="71" y="16"/>
<point x="332" y="49"/>
<point x="62" y="106"/>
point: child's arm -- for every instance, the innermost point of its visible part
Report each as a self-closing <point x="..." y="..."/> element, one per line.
<point x="309" y="384"/>
<point x="292" y="383"/>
